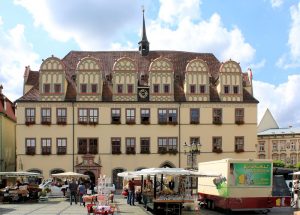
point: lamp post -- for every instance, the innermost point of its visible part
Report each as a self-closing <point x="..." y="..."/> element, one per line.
<point x="191" y="150"/>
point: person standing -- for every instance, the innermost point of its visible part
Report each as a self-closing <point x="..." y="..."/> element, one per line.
<point x="73" y="191"/>
<point x="81" y="191"/>
<point x="296" y="194"/>
<point x="131" y="190"/>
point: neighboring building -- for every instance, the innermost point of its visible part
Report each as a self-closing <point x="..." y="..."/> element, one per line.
<point x="277" y="143"/>
<point x="111" y="111"/>
<point x="7" y="134"/>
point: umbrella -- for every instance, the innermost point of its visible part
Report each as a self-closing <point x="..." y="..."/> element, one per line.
<point x="20" y="174"/>
<point x="127" y="174"/>
<point x="69" y="175"/>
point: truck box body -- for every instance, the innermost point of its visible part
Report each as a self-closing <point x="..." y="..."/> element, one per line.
<point x="242" y="184"/>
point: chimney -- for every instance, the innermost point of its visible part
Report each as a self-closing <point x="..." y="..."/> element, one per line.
<point x="4" y="103"/>
<point x="1" y="88"/>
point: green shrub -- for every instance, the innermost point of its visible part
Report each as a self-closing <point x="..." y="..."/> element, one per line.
<point x="278" y="163"/>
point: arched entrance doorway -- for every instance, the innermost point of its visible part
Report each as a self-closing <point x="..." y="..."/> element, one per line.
<point x="118" y="181"/>
<point x="92" y="176"/>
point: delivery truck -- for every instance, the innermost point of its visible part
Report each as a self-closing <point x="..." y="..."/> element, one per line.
<point x="241" y="184"/>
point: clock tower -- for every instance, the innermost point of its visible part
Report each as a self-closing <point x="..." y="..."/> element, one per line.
<point x="143" y="94"/>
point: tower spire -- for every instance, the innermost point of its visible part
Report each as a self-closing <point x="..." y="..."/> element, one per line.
<point x="144" y="44"/>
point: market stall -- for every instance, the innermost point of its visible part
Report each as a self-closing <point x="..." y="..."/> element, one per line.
<point x="21" y="186"/>
<point x="165" y="190"/>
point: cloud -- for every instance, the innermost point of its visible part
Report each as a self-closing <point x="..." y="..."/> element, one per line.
<point x="276" y="3"/>
<point x="173" y="10"/>
<point x="258" y="65"/>
<point x="101" y="25"/>
<point x="292" y="59"/>
<point x="15" y="53"/>
<point x="94" y="25"/>
<point x="282" y="100"/>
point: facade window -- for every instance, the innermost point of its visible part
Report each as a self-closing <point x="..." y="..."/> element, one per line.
<point x="120" y="88"/>
<point x="57" y="88"/>
<point x="274" y="146"/>
<point x="293" y="159"/>
<point x="29" y="116"/>
<point x="194" y="115"/>
<point x="116" y="145"/>
<point x="282" y="144"/>
<point x="94" y="88"/>
<point x="86" y="145"/>
<point x="217" y="144"/>
<point x="202" y="89"/>
<point x="61" y="116"/>
<point x="115" y="116"/>
<point x="239" y="116"/>
<point x="293" y="145"/>
<point x="217" y="116"/>
<point x="130" y="116"/>
<point x="46" y="116"/>
<point x="82" y="116"/>
<point x="30" y="146"/>
<point x="61" y="146"/>
<point x="145" y="145"/>
<point x="167" y="145"/>
<point x="261" y="146"/>
<point x="145" y="116"/>
<point x="193" y="88"/>
<point x="261" y="156"/>
<point x="167" y="116"/>
<point x="46" y="88"/>
<point x="275" y="157"/>
<point x="239" y="144"/>
<point x="156" y="88"/>
<point x="283" y="157"/>
<point x="166" y="88"/>
<point x="46" y="146"/>
<point x="93" y="116"/>
<point x="226" y="89"/>
<point x="130" y="145"/>
<point x="129" y="88"/>
<point x="83" y="88"/>
<point x="235" y="89"/>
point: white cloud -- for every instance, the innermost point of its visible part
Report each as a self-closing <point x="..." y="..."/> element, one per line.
<point x="276" y="3"/>
<point x="292" y="59"/>
<point x="15" y="53"/>
<point x="203" y="36"/>
<point x="282" y="100"/>
<point x="258" y="65"/>
<point x="173" y="10"/>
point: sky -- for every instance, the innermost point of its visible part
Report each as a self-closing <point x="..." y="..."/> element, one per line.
<point x="263" y="35"/>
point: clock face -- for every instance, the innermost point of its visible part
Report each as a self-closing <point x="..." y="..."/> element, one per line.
<point x="143" y="93"/>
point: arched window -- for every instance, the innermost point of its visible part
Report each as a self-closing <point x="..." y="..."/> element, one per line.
<point x="167" y="164"/>
<point x="55" y="171"/>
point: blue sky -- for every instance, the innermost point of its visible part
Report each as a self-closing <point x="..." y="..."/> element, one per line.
<point x="260" y="34"/>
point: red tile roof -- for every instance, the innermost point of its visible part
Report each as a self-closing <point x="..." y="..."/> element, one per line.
<point x="108" y="58"/>
<point x="7" y="107"/>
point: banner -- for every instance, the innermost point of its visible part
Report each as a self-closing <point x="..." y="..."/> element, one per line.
<point x="250" y="174"/>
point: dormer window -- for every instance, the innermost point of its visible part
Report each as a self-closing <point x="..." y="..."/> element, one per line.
<point x="94" y="88"/>
<point x="226" y="89"/>
<point x="83" y="88"/>
<point x="57" y="88"/>
<point x="202" y="88"/>
<point x="46" y="88"/>
<point x="192" y="88"/>
<point x="235" y="89"/>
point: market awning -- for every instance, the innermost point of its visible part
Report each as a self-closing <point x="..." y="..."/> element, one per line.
<point x="69" y="175"/>
<point x="20" y="174"/>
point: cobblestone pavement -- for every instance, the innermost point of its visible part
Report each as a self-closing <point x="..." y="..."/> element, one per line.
<point x="61" y="206"/>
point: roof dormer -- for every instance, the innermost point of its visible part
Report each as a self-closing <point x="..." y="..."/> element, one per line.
<point x="196" y="86"/>
<point x="53" y="83"/>
<point x="230" y="86"/>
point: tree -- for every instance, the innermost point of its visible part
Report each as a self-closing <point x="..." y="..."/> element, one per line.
<point x="278" y="163"/>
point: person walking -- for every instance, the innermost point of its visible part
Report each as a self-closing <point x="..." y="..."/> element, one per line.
<point x="81" y="191"/>
<point x="296" y="194"/>
<point x="131" y="190"/>
<point x="73" y="186"/>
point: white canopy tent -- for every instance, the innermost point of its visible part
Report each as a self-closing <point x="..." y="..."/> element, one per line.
<point x="295" y="173"/>
<point x="68" y="175"/>
<point x="20" y="174"/>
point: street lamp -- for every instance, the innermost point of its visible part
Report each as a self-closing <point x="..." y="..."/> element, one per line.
<point x="192" y="149"/>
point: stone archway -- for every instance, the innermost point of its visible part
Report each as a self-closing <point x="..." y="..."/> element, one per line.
<point x="167" y="164"/>
<point x="118" y="181"/>
<point x="91" y="175"/>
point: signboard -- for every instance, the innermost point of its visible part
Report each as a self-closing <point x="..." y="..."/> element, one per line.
<point x="250" y="174"/>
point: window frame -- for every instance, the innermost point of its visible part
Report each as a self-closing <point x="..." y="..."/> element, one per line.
<point x="166" y="145"/>
<point x="46" y="149"/>
<point x="46" y="119"/>
<point x="236" y="89"/>
<point x="239" y="116"/>
<point x="130" y="145"/>
<point x="217" y="144"/>
<point x="167" y="88"/>
<point x="202" y="89"/>
<point x="156" y="88"/>
<point x="192" y="88"/>
<point x="60" y="149"/>
<point x="130" y="119"/>
<point x="83" y="88"/>
<point x="115" y="118"/>
<point x="129" y="88"/>
<point x="57" y="88"/>
<point x="31" y="118"/>
<point x="226" y="89"/>
<point x="46" y="88"/>
<point x="94" y="88"/>
<point x="116" y="145"/>
<point x="145" y="117"/>
<point x="30" y="150"/>
<point x="166" y="116"/>
<point x="217" y="116"/>
<point x="61" y="119"/>
<point x="119" y="88"/>
<point x="239" y="146"/>
<point x="195" y="120"/>
<point x="145" y="145"/>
